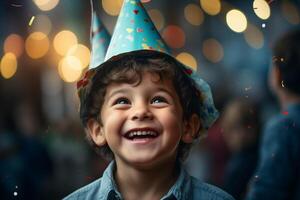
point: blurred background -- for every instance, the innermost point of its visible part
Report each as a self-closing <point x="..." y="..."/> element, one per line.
<point x="45" y="48"/>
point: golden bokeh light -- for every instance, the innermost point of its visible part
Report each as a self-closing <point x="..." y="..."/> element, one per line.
<point x="46" y="5"/>
<point x="211" y="7"/>
<point x="157" y="18"/>
<point x="174" y="36"/>
<point x="188" y="60"/>
<point x="254" y="37"/>
<point x="42" y="23"/>
<point x="290" y="12"/>
<point x="236" y="20"/>
<point x="63" y="41"/>
<point x="193" y="14"/>
<point x="14" y="43"/>
<point x="8" y="65"/>
<point x="112" y="7"/>
<point x="37" y="45"/>
<point x="70" y="69"/>
<point x="82" y="53"/>
<point x="261" y="9"/>
<point x="213" y="50"/>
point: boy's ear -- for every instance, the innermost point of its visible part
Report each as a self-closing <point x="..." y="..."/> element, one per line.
<point x="191" y="128"/>
<point x="95" y="130"/>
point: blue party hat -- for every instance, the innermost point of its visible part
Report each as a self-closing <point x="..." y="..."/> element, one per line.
<point x="99" y="37"/>
<point x="134" y="31"/>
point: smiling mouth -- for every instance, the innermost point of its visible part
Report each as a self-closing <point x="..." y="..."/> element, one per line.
<point x="136" y="135"/>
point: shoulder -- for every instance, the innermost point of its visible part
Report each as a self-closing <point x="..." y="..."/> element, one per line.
<point x="89" y="191"/>
<point x="287" y="124"/>
<point x="203" y="190"/>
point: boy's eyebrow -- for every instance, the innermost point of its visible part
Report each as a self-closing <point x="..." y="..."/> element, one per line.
<point x="123" y="90"/>
<point x="165" y="90"/>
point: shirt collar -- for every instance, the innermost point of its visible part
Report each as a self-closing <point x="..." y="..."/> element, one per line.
<point x="108" y="183"/>
<point x="179" y="190"/>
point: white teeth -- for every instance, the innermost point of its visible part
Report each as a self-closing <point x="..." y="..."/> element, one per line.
<point x="138" y="133"/>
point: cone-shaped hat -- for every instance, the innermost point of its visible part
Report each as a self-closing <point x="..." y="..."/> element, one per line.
<point x="135" y="32"/>
<point x="99" y="37"/>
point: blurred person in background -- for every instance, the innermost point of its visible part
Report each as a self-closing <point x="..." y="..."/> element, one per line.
<point x="278" y="171"/>
<point x="25" y="165"/>
<point x="241" y="127"/>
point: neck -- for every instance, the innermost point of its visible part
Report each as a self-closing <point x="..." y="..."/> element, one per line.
<point x="138" y="183"/>
<point x="286" y="98"/>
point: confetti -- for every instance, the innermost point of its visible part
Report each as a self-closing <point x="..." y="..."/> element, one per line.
<point x="16" y="5"/>
<point x="31" y="20"/>
<point x="248" y="88"/>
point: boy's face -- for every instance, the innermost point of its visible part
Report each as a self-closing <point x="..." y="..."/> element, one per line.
<point x="142" y="124"/>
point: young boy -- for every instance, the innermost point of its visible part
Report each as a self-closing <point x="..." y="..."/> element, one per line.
<point x="144" y="109"/>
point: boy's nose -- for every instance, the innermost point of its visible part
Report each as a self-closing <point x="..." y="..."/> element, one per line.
<point x="141" y="112"/>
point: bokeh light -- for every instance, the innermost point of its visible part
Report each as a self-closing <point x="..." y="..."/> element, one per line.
<point x="193" y="14"/>
<point x="213" y="50"/>
<point x="8" y="65"/>
<point x="82" y="53"/>
<point x="174" y="36"/>
<point x="37" y="45"/>
<point x="187" y="59"/>
<point x="254" y="37"/>
<point x="46" y="5"/>
<point x="14" y="43"/>
<point x="70" y="69"/>
<point x="112" y="7"/>
<point x="290" y="12"/>
<point x="63" y="41"/>
<point x="261" y="9"/>
<point x="236" y="20"/>
<point x="211" y="7"/>
<point x="42" y="23"/>
<point x="157" y="18"/>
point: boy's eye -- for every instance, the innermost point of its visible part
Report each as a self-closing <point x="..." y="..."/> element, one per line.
<point x="159" y="99"/>
<point x="121" y="101"/>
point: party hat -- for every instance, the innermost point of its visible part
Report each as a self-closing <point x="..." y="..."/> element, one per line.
<point x="99" y="37"/>
<point x="136" y="32"/>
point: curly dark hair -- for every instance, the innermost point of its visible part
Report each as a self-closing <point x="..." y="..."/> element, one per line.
<point x="129" y="68"/>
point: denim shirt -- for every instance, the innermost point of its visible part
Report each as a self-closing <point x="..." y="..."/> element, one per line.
<point x="185" y="188"/>
<point x="277" y="176"/>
